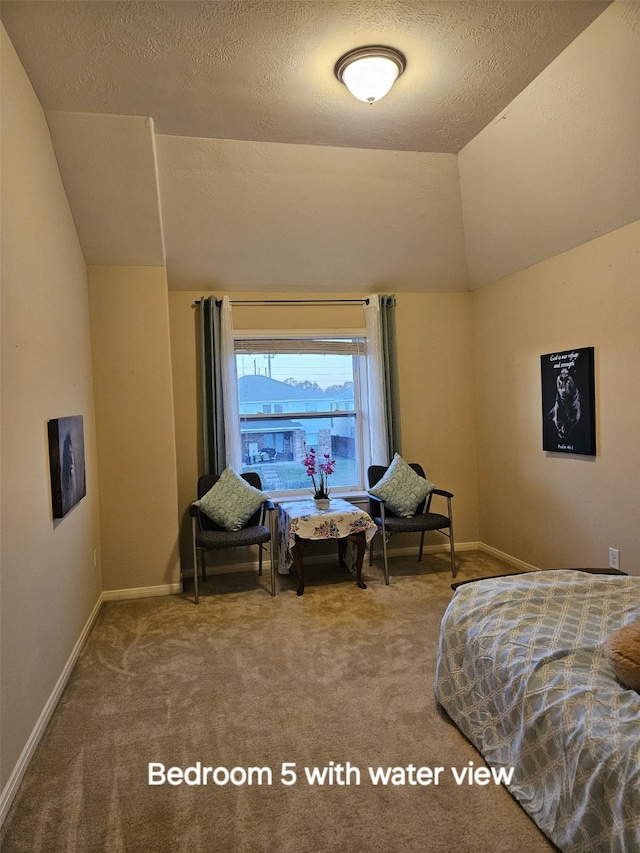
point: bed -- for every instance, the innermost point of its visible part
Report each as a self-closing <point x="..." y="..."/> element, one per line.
<point x="523" y="673"/>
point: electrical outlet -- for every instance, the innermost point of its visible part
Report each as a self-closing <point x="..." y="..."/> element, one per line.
<point x="614" y="558"/>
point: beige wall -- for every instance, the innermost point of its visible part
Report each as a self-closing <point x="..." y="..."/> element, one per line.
<point x="435" y="357"/>
<point x="435" y="360"/>
<point x="554" y="509"/>
<point x="49" y="585"/>
<point x="559" y="165"/>
<point x="280" y="216"/>
<point x="135" y="427"/>
<point x="470" y="396"/>
<point x="187" y="390"/>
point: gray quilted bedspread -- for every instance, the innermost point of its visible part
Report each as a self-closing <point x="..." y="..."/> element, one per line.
<point x="522" y="672"/>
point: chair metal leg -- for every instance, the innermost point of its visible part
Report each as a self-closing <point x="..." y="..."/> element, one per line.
<point x="273" y="569"/>
<point x="260" y="559"/>
<point x="384" y="553"/>
<point x="454" y="568"/>
<point x="421" y="546"/>
<point x="196" y="573"/>
<point x="384" y="550"/>
<point x="271" y="558"/>
<point x="195" y="561"/>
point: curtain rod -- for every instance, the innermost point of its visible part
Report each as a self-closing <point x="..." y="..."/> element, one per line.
<point x="294" y="301"/>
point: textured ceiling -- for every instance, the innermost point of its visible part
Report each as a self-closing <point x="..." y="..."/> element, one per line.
<point x="262" y="70"/>
<point x="217" y="132"/>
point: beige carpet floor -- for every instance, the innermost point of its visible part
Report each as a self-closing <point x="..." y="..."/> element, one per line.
<point x="244" y="680"/>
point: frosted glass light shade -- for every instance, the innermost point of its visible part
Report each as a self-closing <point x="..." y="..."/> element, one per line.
<point x="370" y="72"/>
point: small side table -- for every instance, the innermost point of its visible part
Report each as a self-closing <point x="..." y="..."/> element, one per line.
<point x="300" y="522"/>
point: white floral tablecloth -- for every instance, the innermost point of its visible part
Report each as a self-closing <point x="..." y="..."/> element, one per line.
<point x="302" y="519"/>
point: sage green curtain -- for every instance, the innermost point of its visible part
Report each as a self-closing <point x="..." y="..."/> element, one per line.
<point x="212" y="395"/>
<point x="389" y="356"/>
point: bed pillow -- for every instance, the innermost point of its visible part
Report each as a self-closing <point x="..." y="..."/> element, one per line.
<point x="623" y="653"/>
<point x="401" y="488"/>
<point x="231" y="501"/>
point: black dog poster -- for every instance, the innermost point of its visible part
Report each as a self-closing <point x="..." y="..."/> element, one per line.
<point x="568" y="401"/>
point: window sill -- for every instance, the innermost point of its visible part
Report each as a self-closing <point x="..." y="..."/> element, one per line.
<point x="355" y="497"/>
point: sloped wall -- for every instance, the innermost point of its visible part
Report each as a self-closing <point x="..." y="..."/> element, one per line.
<point x="49" y="584"/>
<point x="559" y="166"/>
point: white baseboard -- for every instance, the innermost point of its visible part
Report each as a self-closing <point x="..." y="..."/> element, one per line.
<point x="460" y="547"/>
<point x="311" y="559"/>
<point x="412" y="550"/>
<point x="252" y="566"/>
<point x="10" y="789"/>
<point x="141" y="592"/>
<point x="13" y="783"/>
<point x="513" y="561"/>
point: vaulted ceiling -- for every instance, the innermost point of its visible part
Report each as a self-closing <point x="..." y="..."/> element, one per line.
<point x="214" y="138"/>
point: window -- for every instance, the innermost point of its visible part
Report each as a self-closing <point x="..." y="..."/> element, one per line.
<point x="298" y="393"/>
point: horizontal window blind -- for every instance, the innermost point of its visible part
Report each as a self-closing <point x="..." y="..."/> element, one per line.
<point x="299" y="415"/>
<point x="300" y="346"/>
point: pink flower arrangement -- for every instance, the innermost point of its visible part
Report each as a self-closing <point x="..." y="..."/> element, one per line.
<point x="321" y="470"/>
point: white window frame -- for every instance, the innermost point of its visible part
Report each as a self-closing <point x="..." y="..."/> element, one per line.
<point x="360" y="412"/>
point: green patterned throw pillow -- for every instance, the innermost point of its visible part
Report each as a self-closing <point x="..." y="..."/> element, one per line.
<point x="231" y="501"/>
<point x="401" y="488"/>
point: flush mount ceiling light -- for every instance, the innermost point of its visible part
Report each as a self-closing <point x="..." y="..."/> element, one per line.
<point x="370" y="72"/>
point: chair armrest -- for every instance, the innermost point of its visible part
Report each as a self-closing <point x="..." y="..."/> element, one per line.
<point x="442" y="492"/>
<point x="267" y="506"/>
<point x="194" y="510"/>
<point x="375" y="498"/>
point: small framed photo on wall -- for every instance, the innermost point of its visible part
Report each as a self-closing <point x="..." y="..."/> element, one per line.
<point x="66" y="461"/>
<point x="568" y="401"/>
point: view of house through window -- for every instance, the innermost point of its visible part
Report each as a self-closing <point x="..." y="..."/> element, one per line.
<point x="295" y="395"/>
